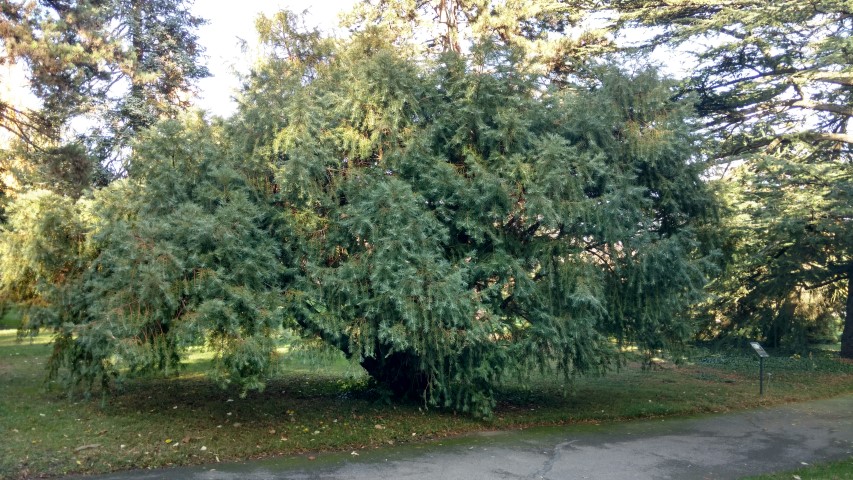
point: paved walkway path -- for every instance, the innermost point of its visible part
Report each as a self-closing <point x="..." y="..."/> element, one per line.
<point x="726" y="446"/>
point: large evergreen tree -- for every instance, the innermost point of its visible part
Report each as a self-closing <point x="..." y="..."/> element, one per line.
<point x="462" y="221"/>
<point x="776" y="89"/>
<point x="443" y="218"/>
<point x="180" y="254"/>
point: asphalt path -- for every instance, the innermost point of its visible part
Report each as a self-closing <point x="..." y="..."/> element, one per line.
<point x="723" y="446"/>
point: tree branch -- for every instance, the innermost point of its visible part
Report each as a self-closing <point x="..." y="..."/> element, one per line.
<point x="822" y="107"/>
<point x="824" y="283"/>
<point x="834" y="77"/>
<point x="827" y="137"/>
<point x="769" y="143"/>
<point x="19" y="127"/>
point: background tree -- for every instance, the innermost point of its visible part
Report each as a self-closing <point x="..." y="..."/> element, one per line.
<point x="775" y="90"/>
<point x="55" y="47"/>
<point x="161" y="57"/>
<point x="120" y="64"/>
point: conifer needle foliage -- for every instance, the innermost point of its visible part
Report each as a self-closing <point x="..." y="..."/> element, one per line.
<point x="442" y="218"/>
<point x="177" y="255"/>
<point x="460" y="220"/>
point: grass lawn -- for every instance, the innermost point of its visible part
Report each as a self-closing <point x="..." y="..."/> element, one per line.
<point x="842" y="470"/>
<point x="186" y="419"/>
<point x="10" y="317"/>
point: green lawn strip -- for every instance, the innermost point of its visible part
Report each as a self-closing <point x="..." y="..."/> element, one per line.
<point x="10" y="317"/>
<point x="841" y="470"/>
<point x="186" y="419"/>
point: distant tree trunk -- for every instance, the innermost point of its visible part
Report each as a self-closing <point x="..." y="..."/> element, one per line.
<point x="847" y="336"/>
<point x="136" y="118"/>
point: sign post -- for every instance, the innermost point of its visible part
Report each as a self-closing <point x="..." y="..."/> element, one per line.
<point x="761" y="356"/>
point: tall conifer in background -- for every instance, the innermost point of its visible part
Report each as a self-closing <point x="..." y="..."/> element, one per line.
<point x="101" y="71"/>
<point x="774" y="84"/>
<point x="554" y="36"/>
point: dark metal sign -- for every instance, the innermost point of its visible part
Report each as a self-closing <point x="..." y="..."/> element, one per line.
<point x="758" y="349"/>
<point x="761" y="356"/>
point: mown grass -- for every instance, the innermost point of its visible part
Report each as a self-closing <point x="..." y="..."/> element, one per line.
<point x="10" y="317"/>
<point x="307" y="409"/>
<point x="841" y="470"/>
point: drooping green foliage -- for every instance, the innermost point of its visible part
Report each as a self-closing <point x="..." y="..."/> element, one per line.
<point x="43" y="254"/>
<point x="461" y="221"/>
<point x="179" y="254"/>
<point x="775" y="89"/>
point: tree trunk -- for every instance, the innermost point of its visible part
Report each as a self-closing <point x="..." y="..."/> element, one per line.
<point x="400" y="372"/>
<point x="847" y="335"/>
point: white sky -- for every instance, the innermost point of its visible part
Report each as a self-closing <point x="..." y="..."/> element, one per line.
<point x="230" y="20"/>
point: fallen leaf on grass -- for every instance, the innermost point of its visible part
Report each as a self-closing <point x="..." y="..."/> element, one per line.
<point x="87" y="447"/>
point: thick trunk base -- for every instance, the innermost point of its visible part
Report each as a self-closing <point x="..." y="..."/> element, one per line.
<point x="400" y="372"/>
<point x="847" y="335"/>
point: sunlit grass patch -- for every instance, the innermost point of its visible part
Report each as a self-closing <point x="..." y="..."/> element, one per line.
<point x="10" y="338"/>
<point x="10" y="318"/>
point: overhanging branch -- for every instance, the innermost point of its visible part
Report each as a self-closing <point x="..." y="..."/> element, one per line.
<point x="834" y="77"/>
<point x="827" y="137"/>
<point x="822" y="107"/>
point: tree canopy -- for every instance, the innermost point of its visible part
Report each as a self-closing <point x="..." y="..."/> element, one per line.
<point x="462" y="220"/>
